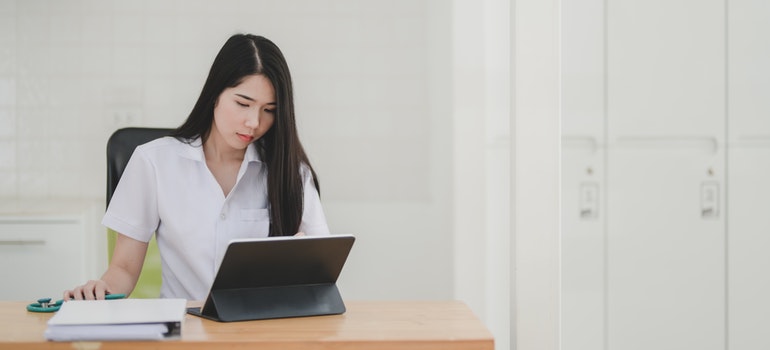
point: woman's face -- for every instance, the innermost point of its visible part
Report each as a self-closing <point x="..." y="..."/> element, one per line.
<point x="244" y="113"/>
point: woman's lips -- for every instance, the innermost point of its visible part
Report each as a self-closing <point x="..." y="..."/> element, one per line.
<point x="246" y="138"/>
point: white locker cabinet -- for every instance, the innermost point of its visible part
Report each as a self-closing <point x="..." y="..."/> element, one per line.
<point x="749" y="247"/>
<point x="582" y="262"/>
<point x="666" y="254"/>
<point x="749" y="70"/>
<point x="47" y="247"/>
<point x="749" y="170"/>
<point x="666" y="67"/>
<point x="583" y="183"/>
<point x="582" y="69"/>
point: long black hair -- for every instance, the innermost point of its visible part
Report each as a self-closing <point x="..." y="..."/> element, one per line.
<point x="280" y="149"/>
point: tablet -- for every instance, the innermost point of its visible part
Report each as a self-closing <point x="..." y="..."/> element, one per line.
<point x="278" y="277"/>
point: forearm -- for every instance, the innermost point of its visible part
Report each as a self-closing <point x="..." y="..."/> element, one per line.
<point x="120" y="280"/>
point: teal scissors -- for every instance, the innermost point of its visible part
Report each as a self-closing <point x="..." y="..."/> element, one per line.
<point x="45" y="304"/>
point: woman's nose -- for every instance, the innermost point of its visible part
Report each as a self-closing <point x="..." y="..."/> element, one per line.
<point x="252" y="120"/>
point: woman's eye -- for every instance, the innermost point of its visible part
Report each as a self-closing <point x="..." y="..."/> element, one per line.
<point x="271" y="111"/>
<point x="241" y="104"/>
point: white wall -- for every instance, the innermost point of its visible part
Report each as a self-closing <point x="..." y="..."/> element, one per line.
<point x="371" y="83"/>
<point x="403" y="107"/>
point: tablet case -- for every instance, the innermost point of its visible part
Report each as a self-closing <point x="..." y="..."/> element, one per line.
<point x="277" y="278"/>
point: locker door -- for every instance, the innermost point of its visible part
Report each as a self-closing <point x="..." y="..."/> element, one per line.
<point x="749" y="174"/>
<point x="583" y="260"/>
<point x="583" y="172"/>
<point x="665" y="176"/>
<point x="665" y="246"/>
<point x="749" y="244"/>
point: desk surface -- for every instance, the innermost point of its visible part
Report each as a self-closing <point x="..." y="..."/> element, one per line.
<point x="365" y="325"/>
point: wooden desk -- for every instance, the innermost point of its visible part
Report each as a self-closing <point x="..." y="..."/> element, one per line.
<point x="366" y="325"/>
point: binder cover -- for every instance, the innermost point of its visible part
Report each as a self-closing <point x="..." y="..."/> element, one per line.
<point x="278" y="277"/>
<point x="122" y="319"/>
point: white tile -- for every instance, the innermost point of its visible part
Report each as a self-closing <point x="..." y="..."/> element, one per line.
<point x="349" y="31"/>
<point x="347" y="7"/>
<point x="65" y="153"/>
<point x="161" y="7"/>
<point x="158" y="92"/>
<point x="133" y="6"/>
<point x="7" y="92"/>
<point x="32" y="6"/>
<point x="67" y="60"/>
<point x="68" y="92"/>
<point x="68" y="124"/>
<point x="7" y="29"/>
<point x="7" y="123"/>
<point x="192" y="60"/>
<point x="8" y="7"/>
<point x="127" y="60"/>
<point x="32" y="92"/>
<point x="33" y="183"/>
<point x="121" y="93"/>
<point x="208" y="7"/>
<point x="7" y="154"/>
<point x="7" y="61"/>
<point x="392" y="8"/>
<point x="96" y="7"/>
<point x="67" y="7"/>
<point x="97" y="29"/>
<point x="8" y="183"/>
<point x="159" y="29"/>
<point x="66" y="28"/>
<point x="96" y="61"/>
<point x="64" y="183"/>
<point x="34" y="60"/>
<point x="33" y="30"/>
<point x="128" y="29"/>
<point x="160" y="60"/>
<point x="33" y="131"/>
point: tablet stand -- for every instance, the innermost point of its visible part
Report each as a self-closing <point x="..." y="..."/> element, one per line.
<point x="228" y="305"/>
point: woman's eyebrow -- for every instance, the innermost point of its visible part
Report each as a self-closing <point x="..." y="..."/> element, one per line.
<point x="252" y="100"/>
<point x="246" y="97"/>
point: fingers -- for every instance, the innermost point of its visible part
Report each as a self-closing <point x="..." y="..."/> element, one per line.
<point x="93" y="290"/>
<point x="299" y="234"/>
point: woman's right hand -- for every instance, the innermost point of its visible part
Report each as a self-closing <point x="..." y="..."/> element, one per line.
<point x="92" y="290"/>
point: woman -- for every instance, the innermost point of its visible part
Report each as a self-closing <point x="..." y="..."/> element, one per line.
<point x="234" y="169"/>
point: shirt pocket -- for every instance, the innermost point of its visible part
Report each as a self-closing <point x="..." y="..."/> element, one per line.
<point x="252" y="223"/>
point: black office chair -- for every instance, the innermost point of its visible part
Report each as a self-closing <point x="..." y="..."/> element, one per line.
<point x="120" y="147"/>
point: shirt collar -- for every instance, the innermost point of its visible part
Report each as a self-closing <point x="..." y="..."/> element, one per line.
<point x="194" y="151"/>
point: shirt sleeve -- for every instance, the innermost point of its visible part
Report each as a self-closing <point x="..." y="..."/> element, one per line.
<point x="133" y="209"/>
<point x="313" y="218"/>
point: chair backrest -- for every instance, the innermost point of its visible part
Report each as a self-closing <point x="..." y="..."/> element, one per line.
<point x="121" y="146"/>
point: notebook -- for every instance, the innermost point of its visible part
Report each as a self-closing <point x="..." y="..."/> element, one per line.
<point x="121" y="319"/>
<point x="278" y="277"/>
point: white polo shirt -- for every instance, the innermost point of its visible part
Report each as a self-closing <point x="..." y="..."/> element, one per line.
<point x="167" y="189"/>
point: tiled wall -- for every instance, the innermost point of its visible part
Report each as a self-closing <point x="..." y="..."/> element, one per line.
<point x="73" y="71"/>
<point x="372" y="90"/>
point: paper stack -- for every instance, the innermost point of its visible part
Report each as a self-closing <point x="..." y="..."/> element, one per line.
<point x="122" y="319"/>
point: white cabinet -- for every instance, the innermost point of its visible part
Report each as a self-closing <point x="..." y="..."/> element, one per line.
<point x="666" y="249"/>
<point x="47" y="246"/>
<point x="665" y="68"/>
<point x="749" y="174"/>
<point x="583" y="251"/>
<point x="583" y="189"/>
<point x="749" y="244"/>
<point x="666" y="170"/>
